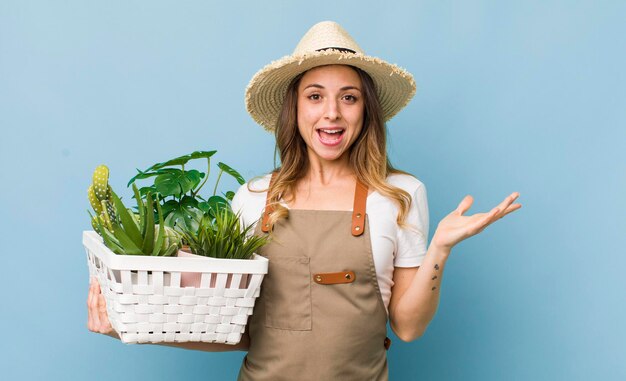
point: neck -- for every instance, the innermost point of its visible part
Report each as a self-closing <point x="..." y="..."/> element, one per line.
<point x="324" y="172"/>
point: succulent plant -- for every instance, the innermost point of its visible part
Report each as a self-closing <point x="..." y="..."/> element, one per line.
<point x="223" y="237"/>
<point x="125" y="232"/>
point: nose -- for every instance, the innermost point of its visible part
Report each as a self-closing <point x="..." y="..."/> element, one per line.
<point x="332" y="111"/>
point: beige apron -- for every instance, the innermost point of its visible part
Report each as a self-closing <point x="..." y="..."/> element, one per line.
<point x="320" y="314"/>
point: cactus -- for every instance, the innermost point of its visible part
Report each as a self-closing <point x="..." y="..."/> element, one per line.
<point x="93" y="200"/>
<point x="100" y="182"/>
<point x="99" y="194"/>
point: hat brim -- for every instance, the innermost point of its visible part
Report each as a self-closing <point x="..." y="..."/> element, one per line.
<point x="266" y="91"/>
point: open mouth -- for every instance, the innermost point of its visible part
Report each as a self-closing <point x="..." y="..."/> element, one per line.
<point x="330" y="136"/>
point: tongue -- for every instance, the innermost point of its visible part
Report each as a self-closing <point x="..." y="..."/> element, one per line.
<point x="330" y="137"/>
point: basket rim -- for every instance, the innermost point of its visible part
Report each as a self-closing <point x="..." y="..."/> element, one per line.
<point x="94" y="244"/>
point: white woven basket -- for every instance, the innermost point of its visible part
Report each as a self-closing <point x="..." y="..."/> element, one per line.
<point x="146" y="303"/>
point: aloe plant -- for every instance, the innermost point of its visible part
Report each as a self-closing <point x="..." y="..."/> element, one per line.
<point x="223" y="237"/>
<point x="125" y="232"/>
<point x="177" y="189"/>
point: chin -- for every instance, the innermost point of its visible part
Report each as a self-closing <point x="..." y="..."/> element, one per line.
<point x="329" y="156"/>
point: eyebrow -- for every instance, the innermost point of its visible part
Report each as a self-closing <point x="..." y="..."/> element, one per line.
<point x="342" y="89"/>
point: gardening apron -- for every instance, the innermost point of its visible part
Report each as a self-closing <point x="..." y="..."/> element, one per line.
<point x="320" y="314"/>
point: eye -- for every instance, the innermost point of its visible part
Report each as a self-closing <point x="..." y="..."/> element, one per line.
<point x="314" y="97"/>
<point x="350" y="98"/>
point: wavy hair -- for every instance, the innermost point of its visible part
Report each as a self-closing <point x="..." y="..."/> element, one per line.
<point x="367" y="156"/>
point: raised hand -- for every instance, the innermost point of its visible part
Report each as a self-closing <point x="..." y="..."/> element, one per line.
<point x="456" y="227"/>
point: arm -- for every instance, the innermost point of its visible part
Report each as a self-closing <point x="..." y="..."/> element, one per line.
<point x="415" y="294"/>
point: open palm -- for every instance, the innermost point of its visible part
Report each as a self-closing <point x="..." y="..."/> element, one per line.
<point x="456" y="227"/>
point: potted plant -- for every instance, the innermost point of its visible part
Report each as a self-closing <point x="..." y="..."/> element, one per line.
<point x="133" y="259"/>
<point x="220" y="236"/>
<point x="123" y="231"/>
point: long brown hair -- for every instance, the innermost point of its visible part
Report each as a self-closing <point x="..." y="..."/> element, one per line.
<point x="367" y="156"/>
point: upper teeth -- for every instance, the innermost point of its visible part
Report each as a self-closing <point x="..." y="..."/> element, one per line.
<point x="332" y="131"/>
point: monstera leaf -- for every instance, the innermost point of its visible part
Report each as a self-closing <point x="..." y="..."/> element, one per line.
<point x="182" y="160"/>
<point x="184" y="214"/>
<point x="176" y="183"/>
<point x="232" y="172"/>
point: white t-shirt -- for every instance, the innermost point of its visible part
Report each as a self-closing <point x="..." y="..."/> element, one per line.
<point x="392" y="246"/>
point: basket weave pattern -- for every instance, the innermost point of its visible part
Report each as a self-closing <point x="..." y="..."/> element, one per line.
<point x="147" y="304"/>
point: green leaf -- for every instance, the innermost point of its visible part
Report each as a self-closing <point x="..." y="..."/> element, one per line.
<point x="130" y="227"/>
<point x="139" y="175"/>
<point x="204" y="206"/>
<point x="194" y="176"/>
<point x="146" y="174"/>
<point x="188" y="202"/>
<point x="161" y="234"/>
<point x="107" y="236"/>
<point x="185" y="214"/>
<point x="111" y="242"/>
<point x="216" y="204"/>
<point x="202" y="154"/>
<point x="232" y="172"/>
<point x="143" y="191"/>
<point x="175" y="184"/>
<point x="169" y="184"/>
<point x="169" y="206"/>
<point x="148" y="227"/>
<point x="127" y="244"/>
<point x="229" y="195"/>
<point x="141" y="210"/>
<point x="182" y="160"/>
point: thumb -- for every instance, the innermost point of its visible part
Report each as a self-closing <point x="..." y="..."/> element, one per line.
<point x="464" y="205"/>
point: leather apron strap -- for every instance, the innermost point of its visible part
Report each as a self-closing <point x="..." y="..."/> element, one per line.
<point x="358" y="210"/>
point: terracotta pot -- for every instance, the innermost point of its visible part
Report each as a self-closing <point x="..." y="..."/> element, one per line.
<point x="189" y="279"/>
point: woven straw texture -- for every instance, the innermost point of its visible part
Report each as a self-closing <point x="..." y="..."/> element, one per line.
<point x="266" y="91"/>
<point x="146" y="302"/>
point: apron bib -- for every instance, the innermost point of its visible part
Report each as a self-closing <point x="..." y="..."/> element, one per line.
<point x="320" y="314"/>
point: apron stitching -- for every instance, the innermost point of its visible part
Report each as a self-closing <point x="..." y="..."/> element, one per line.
<point x="373" y="276"/>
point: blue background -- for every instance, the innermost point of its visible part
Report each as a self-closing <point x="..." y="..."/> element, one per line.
<point x="512" y="96"/>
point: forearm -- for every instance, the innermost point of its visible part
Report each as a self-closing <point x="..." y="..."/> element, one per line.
<point x="418" y="305"/>
<point x="243" y="345"/>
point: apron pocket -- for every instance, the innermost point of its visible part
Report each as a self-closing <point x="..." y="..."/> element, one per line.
<point x="288" y="293"/>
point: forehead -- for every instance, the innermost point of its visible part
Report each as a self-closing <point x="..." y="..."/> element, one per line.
<point x="331" y="75"/>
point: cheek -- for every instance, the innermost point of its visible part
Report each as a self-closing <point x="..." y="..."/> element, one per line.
<point x="306" y="119"/>
<point x="357" y="120"/>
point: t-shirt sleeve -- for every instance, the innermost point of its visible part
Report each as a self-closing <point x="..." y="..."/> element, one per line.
<point x="412" y="239"/>
<point x="235" y="204"/>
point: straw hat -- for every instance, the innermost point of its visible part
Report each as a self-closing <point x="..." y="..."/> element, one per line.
<point x="324" y="44"/>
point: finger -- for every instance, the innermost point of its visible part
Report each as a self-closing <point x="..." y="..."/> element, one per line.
<point x="89" y="309"/>
<point x="94" y="306"/>
<point x="105" y="324"/>
<point x="506" y="203"/>
<point x="488" y="219"/>
<point x="481" y="221"/>
<point x="510" y="209"/>
<point x="464" y="205"/>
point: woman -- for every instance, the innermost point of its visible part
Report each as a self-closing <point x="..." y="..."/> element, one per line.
<point x="348" y="248"/>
